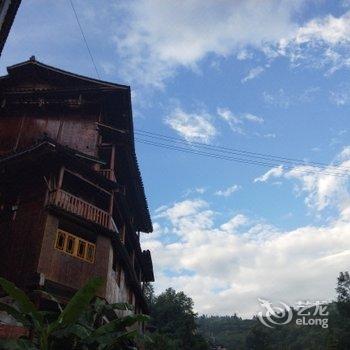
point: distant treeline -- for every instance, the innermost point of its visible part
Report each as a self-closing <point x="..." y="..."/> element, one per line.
<point x="175" y="326"/>
<point x="235" y="333"/>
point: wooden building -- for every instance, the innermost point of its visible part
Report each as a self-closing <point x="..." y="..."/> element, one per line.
<point x="8" y="10"/>
<point x="72" y="202"/>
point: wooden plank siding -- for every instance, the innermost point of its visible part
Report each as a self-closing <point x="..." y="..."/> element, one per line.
<point x="20" y="235"/>
<point x="75" y="131"/>
<point x="67" y="270"/>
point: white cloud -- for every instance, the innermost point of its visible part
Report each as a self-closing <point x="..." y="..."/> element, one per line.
<point x="199" y="126"/>
<point x="233" y="264"/>
<point x="253" y="73"/>
<point x="228" y="191"/>
<point x="234" y="223"/>
<point x="284" y="99"/>
<point x="154" y="38"/>
<point x="233" y="121"/>
<point x="270" y="136"/>
<point x="320" y="43"/>
<point x="161" y="208"/>
<point x="244" y="55"/>
<point x="274" y="172"/>
<point x="152" y="51"/>
<point x="345" y="153"/>
<point x="340" y="96"/>
<point x="190" y="191"/>
<point x="323" y="187"/>
<point x="253" y="118"/>
<point x="192" y="126"/>
<point x="328" y="29"/>
<point x="237" y="121"/>
<point x="182" y="209"/>
<point x="160" y="35"/>
<point x="279" y="98"/>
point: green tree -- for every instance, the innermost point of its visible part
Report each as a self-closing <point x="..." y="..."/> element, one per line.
<point x="160" y="341"/>
<point x="148" y="292"/>
<point x="258" y="339"/>
<point x="173" y="316"/>
<point x="78" y="326"/>
<point x="343" y="292"/>
<point x="340" y="318"/>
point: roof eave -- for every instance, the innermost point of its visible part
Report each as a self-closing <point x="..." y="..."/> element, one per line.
<point x="39" y="64"/>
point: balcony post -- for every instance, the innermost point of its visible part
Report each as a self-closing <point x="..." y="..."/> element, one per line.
<point x="60" y="178"/>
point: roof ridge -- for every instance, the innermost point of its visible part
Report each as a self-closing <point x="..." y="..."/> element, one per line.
<point x="33" y="61"/>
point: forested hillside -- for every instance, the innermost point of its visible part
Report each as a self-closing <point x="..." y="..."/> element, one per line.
<point x="235" y="333"/>
<point x="238" y="334"/>
<point x="175" y="326"/>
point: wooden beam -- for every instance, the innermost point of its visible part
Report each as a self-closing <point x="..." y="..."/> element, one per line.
<point x="112" y="128"/>
<point x="60" y="177"/>
<point x="87" y="181"/>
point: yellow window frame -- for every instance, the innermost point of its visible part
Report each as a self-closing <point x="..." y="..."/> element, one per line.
<point x="86" y="254"/>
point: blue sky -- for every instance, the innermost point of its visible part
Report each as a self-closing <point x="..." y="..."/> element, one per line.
<point x="269" y="77"/>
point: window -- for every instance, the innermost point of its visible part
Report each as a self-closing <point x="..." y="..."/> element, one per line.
<point x="70" y="244"/>
<point x="75" y="246"/>
<point x="90" y="254"/>
<point x="81" y="249"/>
<point x="60" y="241"/>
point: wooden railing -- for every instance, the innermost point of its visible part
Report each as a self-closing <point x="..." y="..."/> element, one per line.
<point x="108" y="173"/>
<point x="78" y="206"/>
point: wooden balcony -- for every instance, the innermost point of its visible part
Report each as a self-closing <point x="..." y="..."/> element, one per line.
<point x="78" y="206"/>
<point x="108" y="173"/>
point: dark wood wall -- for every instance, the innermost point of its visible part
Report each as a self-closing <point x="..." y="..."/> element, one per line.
<point x="36" y="102"/>
<point x="67" y="270"/>
<point x="74" y="130"/>
<point x="21" y="231"/>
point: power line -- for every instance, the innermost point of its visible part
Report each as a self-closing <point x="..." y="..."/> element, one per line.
<point x="195" y="145"/>
<point x="253" y="158"/>
<point x="238" y="152"/>
<point x="84" y="38"/>
<point x="238" y="160"/>
<point x="235" y="159"/>
<point x="233" y="150"/>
